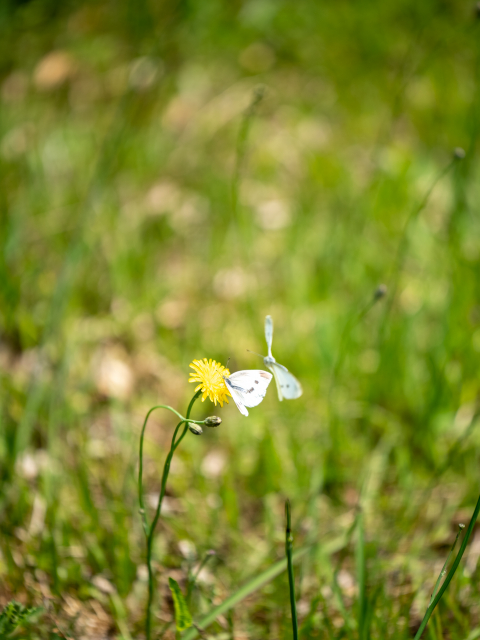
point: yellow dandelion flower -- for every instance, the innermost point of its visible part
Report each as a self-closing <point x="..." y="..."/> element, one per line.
<point x="210" y="376"/>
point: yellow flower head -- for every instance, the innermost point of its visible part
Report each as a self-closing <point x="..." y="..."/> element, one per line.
<point x="210" y="376"/>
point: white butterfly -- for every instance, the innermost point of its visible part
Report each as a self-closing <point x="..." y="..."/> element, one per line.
<point x="248" y="388"/>
<point x="288" y="386"/>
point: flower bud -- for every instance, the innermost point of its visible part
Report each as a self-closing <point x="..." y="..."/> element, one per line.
<point x="212" y="421"/>
<point x="196" y="429"/>
<point x="459" y="153"/>
<point x="380" y="292"/>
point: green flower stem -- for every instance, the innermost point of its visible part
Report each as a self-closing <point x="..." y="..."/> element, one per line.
<point x="140" y="466"/>
<point x="149" y="530"/>
<point x="450" y="574"/>
<point x="291" y="579"/>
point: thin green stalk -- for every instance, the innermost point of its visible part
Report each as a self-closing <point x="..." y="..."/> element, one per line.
<point x="361" y="576"/>
<point x="354" y="319"/>
<point x="450" y="574"/>
<point x="351" y="323"/>
<point x="403" y="243"/>
<point x="243" y="592"/>
<point x="140" y="465"/>
<point x="348" y="622"/>
<point x="193" y="578"/>
<point x="260" y="580"/>
<point x="291" y="579"/>
<point x="442" y="573"/>
<point x="150" y="530"/>
<point x="449" y="459"/>
<point x="248" y="115"/>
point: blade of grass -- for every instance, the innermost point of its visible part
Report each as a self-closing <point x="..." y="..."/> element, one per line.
<point x="192" y="578"/>
<point x="355" y="319"/>
<point x="402" y="247"/>
<point x="242" y="139"/>
<point x="258" y="582"/>
<point x="361" y="570"/>
<point x="348" y="621"/>
<point x="291" y="578"/>
<point x="450" y="574"/>
<point x="326" y="616"/>
<point x="247" y="589"/>
<point x="444" y="568"/>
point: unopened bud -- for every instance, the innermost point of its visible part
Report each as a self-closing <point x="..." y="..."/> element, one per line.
<point x="196" y="429"/>
<point x="459" y="153"/>
<point x="212" y="421"/>
<point x="380" y="292"/>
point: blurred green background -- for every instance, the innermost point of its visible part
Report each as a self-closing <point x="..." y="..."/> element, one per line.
<point x="170" y="173"/>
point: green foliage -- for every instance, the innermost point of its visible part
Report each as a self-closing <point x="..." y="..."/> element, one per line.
<point x="183" y="618"/>
<point x="14" y="615"/>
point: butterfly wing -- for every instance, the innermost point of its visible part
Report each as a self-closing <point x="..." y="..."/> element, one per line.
<point x="269" y="333"/>
<point x="237" y="398"/>
<point x="288" y="386"/>
<point x="269" y="364"/>
<point x="248" y="387"/>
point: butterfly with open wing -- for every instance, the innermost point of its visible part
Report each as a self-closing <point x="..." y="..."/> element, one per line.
<point x="288" y="386"/>
<point x="248" y="388"/>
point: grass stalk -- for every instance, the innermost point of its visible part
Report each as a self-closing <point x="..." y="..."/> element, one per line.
<point x="355" y="318"/>
<point x="246" y="590"/>
<point x="361" y="576"/>
<point x="248" y="116"/>
<point x="444" y="568"/>
<point x="454" y="567"/>
<point x="291" y="578"/>
<point x="149" y="530"/>
<point x="259" y="581"/>
<point x="192" y="579"/>
<point x="402" y="247"/>
<point x="351" y="323"/>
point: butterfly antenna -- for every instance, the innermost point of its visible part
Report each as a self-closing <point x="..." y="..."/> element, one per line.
<point x="255" y="353"/>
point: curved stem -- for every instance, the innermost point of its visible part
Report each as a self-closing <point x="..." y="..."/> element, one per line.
<point x="140" y="465"/>
<point x="150" y="530"/>
<point x="166" y="471"/>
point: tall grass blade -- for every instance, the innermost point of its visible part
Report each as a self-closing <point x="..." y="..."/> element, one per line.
<point x="444" y="568"/>
<point x="291" y="577"/>
<point x="361" y="575"/>
<point x="450" y="574"/>
<point x="250" y="587"/>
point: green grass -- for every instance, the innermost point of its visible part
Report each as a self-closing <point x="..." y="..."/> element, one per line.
<point x="154" y="207"/>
